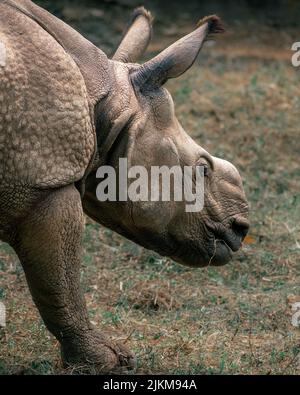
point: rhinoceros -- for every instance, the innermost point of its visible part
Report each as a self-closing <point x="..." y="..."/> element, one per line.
<point x="66" y="109"/>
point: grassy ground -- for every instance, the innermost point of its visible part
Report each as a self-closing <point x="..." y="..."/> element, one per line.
<point x="240" y="102"/>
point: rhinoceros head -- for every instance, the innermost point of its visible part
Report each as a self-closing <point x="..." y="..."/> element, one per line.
<point x="139" y="121"/>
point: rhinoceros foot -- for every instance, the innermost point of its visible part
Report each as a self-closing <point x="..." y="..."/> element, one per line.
<point x="95" y="353"/>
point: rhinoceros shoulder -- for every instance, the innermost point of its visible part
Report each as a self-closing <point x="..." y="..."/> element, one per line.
<point x="47" y="137"/>
<point x="92" y="62"/>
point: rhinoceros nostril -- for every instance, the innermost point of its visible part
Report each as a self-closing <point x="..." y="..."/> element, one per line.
<point x="240" y="226"/>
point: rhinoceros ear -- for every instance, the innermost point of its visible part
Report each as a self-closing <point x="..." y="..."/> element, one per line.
<point x="176" y="59"/>
<point x="137" y="37"/>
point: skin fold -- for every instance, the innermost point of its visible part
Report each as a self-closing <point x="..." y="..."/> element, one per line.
<point x="65" y="109"/>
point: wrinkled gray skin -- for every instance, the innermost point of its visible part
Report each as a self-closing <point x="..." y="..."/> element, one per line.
<point x="65" y="108"/>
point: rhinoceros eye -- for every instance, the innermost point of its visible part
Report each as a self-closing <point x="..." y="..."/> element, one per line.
<point x="206" y="170"/>
<point x="205" y="166"/>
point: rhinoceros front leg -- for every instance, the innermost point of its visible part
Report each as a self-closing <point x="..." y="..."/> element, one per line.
<point x="48" y="243"/>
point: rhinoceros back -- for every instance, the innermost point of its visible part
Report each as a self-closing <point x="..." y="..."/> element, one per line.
<point x="47" y="138"/>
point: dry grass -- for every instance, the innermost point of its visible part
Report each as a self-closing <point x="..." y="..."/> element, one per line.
<point x="241" y="103"/>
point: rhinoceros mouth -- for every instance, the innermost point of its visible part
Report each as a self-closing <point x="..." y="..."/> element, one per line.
<point x="225" y="235"/>
<point x="234" y="243"/>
